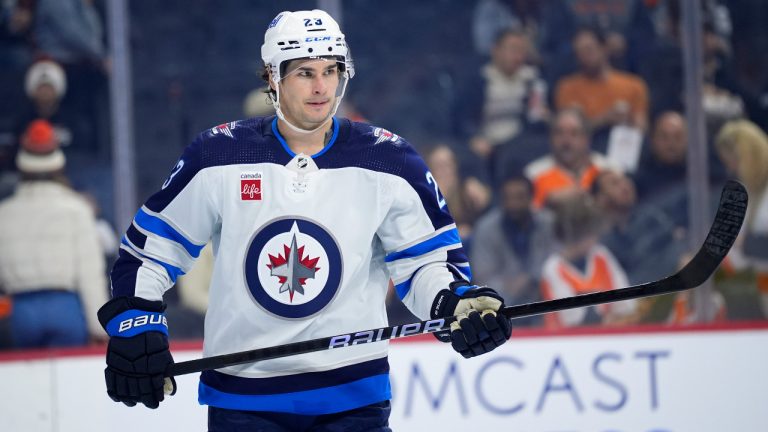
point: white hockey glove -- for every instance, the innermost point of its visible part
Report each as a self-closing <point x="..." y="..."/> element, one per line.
<point x="478" y="328"/>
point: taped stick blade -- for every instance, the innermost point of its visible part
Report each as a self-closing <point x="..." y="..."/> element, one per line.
<point x="730" y="215"/>
<point x="725" y="228"/>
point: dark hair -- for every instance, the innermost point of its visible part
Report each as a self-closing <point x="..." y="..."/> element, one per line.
<point x="265" y="77"/>
<point x="509" y="31"/>
<point x="515" y="173"/>
<point x="597" y="32"/>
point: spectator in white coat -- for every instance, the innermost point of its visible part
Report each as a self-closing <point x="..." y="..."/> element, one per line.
<point x="51" y="262"/>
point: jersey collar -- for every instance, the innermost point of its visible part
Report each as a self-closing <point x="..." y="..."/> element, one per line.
<point x="288" y="150"/>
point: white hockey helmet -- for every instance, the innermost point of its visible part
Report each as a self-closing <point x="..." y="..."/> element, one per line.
<point x="304" y="34"/>
<point x="300" y="35"/>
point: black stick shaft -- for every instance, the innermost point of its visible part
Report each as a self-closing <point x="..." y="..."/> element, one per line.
<point x="428" y="326"/>
<point x="728" y="221"/>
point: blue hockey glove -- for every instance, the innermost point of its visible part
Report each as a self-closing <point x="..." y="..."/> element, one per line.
<point x="478" y="329"/>
<point x="137" y="354"/>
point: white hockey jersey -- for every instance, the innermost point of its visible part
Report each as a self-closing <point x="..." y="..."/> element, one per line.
<point x="304" y="248"/>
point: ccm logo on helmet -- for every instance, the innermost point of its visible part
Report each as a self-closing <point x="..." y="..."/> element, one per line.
<point x="317" y="39"/>
<point x="142" y="320"/>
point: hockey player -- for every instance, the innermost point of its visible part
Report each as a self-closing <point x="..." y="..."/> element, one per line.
<point x="309" y="216"/>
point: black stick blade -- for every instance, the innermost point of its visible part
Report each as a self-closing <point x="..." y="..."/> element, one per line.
<point x="728" y="220"/>
<point x="730" y="216"/>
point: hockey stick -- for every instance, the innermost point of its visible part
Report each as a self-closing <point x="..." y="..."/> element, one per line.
<point x="728" y="220"/>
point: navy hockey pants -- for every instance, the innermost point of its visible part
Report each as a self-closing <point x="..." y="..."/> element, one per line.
<point x="370" y="418"/>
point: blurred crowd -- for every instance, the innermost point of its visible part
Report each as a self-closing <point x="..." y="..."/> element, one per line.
<point x="565" y="166"/>
<point x="55" y="244"/>
<point x="572" y="142"/>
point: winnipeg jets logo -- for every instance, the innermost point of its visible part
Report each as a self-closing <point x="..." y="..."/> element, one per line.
<point x="293" y="267"/>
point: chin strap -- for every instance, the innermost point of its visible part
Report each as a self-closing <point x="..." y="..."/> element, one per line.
<point x="281" y="116"/>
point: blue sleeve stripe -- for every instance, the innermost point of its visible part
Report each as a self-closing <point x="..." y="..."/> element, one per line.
<point x="463" y="289"/>
<point x="447" y="238"/>
<point x="134" y="321"/>
<point x="403" y="288"/>
<point x="173" y="271"/>
<point x="159" y="227"/>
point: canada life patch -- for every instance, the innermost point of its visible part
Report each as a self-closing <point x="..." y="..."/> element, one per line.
<point x="250" y="186"/>
<point x="293" y="267"/>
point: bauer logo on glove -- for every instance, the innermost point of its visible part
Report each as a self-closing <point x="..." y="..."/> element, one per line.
<point x="137" y="354"/>
<point x="132" y="322"/>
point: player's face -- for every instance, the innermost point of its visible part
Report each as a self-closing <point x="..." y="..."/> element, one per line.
<point x="308" y="91"/>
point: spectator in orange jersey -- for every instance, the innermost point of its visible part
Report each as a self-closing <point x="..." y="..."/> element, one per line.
<point x="571" y="167"/>
<point x="683" y="309"/>
<point x="582" y="266"/>
<point x="607" y="97"/>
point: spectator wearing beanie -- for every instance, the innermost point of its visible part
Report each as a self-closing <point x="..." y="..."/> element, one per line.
<point x="45" y="84"/>
<point x="51" y="263"/>
<point x="48" y="91"/>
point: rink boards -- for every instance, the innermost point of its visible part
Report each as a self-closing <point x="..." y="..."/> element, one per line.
<point x="648" y="380"/>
